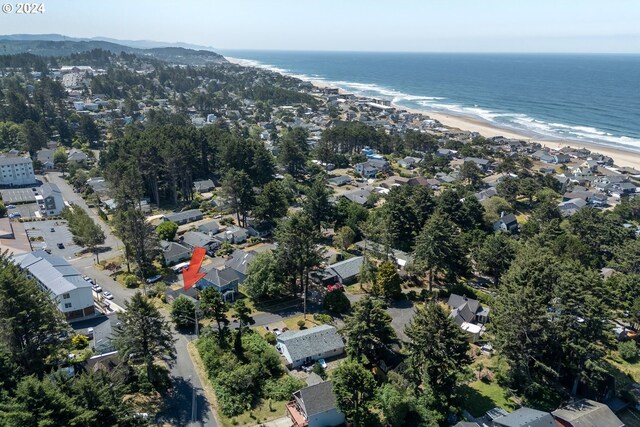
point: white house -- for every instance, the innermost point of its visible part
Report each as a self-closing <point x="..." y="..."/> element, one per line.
<point x="64" y="284"/>
<point x="309" y="345"/>
<point x="16" y="171"/>
<point x="52" y="202"/>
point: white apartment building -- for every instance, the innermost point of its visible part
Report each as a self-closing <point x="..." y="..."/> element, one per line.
<point x="64" y="284"/>
<point x="16" y="171"/>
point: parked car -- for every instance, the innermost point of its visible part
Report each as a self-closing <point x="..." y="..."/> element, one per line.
<point x="154" y="279"/>
<point x="108" y="295"/>
<point x="53" y="230"/>
<point x="15" y="215"/>
<point x="322" y="363"/>
<point x="10" y="206"/>
<point x="97" y="288"/>
<point x="60" y="246"/>
<point x="90" y="333"/>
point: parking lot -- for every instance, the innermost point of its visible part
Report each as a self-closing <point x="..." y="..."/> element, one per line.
<point x="29" y="210"/>
<point x="50" y="239"/>
<point x="18" y="195"/>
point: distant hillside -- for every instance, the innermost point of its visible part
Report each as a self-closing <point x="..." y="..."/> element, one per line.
<point x="139" y="44"/>
<point x="176" y="55"/>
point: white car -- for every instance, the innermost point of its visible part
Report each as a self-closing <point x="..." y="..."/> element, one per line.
<point x="108" y="295"/>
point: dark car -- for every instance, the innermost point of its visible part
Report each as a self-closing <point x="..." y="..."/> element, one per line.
<point x="60" y="246"/>
<point x="154" y="279"/>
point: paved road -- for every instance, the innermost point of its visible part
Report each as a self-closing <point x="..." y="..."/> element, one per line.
<point x="188" y="401"/>
<point x="185" y="377"/>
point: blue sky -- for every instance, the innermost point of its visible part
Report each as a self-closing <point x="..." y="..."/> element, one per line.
<point x="355" y="25"/>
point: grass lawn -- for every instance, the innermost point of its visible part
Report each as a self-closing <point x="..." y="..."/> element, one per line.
<point x="624" y="372"/>
<point x="292" y="323"/>
<point x="481" y="396"/>
<point x="263" y="412"/>
<point x="355" y="289"/>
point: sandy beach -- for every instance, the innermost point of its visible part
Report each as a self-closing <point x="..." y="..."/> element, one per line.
<point x="620" y="156"/>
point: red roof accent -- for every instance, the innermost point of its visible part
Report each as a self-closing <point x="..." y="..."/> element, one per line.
<point x="192" y="274"/>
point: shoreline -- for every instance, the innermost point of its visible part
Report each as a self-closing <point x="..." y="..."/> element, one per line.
<point x="621" y="157"/>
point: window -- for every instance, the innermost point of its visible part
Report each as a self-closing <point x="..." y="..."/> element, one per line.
<point x="66" y="296"/>
<point x="67" y="305"/>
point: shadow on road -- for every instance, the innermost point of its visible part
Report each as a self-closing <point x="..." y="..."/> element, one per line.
<point x="178" y="406"/>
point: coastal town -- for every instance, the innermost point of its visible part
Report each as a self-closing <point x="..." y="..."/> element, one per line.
<point x="302" y="256"/>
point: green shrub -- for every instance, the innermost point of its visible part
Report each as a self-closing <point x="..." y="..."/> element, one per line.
<point x="628" y="350"/>
<point x="79" y="342"/>
<point x="130" y="281"/>
<point x="336" y="302"/>
<point x="323" y="318"/>
<point x="282" y="388"/>
<point x="271" y="338"/>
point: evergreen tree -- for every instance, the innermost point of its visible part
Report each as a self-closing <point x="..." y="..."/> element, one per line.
<point x="213" y="307"/>
<point x="438" y="250"/>
<point x="143" y="334"/>
<point x="316" y="204"/>
<point x="183" y="312"/>
<point x="243" y="317"/>
<point x="368" y="330"/>
<point x="438" y="353"/>
<point x="354" y="387"/>
<point x="264" y="279"/>
<point x="389" y="280"/>
<point x="237" y="188"/>
<point x="494" y="256"/>
<point x="271" y="204"/>
<point x="167" y="230"/>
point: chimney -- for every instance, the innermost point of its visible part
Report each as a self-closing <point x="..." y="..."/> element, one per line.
<point x="502" y="214"/>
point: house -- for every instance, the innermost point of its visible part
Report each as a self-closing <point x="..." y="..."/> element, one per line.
<point x="63" y="283"/>
<point x="258" y="229"/>
<point x="45" y="156"/>
<point x="469" y="314"/>
<point x="621" y="189"/>
<point x="339" y="181"/>
<point x="196" y="239"/>
<point x="586" y="413"/>
<point x="16" y="171"/>
<point x="366" y="170"/>
<point x="525" y="417"/>
<point x="98" y="184"/>
<point x="174" y="253"/>
<point x="185" y="217"/>
<point x="571" y="207"/>
<point x="52" y="202"/>
<point x="203" y="186"/>
<point x="308" y="345"/>
<point x="315" y="406"/>
<point x="344" y="272"/>
<point x="486" y="194"/>
<point x="508" y="223"/>
<point x="77" y="156"/>
<point x="483" y="164"/>
<point x="233" y="234"/>
<point x="210" y="227"/>
<point x="225" y="281"/>
<point x="409" y="162"/>
<point x="240" y="261"/>
<point x="359" y="196"/>
<point x="447" y="154"/>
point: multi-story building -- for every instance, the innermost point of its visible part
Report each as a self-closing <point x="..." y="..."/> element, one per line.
<point x="52" y="202"/>
<point x="64" y="284"/>
<point x="16" y="171"/>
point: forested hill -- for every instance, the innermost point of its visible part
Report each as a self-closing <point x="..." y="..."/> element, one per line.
<point x="177" y="55"/>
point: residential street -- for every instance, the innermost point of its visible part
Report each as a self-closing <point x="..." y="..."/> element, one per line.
<point x="186" y="404"/>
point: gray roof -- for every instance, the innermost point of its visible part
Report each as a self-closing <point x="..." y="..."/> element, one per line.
<point x="196" y="239"/>
<point x="348" y="268"/>
<point x="477" y="160"/>
<point x="173" y="249"/>
<point x="340" y="180"/>
<point x="317" y="398"/>
<point x="182" y="216"/>
<point x="203" y="185"/>
<point x="52" y="271"/>
<point x="14" y="160"/>
<point x="509" y="220"/>
<point x="311" y="342"/>
<point x="240" y="260"/>
<point x="456" y="301"/>
<point x="222" y="277"/>
<point x="359" y="196"/>
<point x="588" y="413"/>
<point x="526" y="417"/>
<point x="48" y="189"/>
<point x="209" y="226"/>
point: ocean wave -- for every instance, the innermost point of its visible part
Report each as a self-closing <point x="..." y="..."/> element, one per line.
<point x="503" y="119"/>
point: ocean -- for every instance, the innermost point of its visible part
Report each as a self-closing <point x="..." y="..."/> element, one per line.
<point x="590" y="98"/>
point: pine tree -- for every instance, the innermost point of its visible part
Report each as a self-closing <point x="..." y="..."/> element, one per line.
<point x="354" y="387"/>
<point x="143" y="334"/>
<point x="389" y="280"/>
<point x="316" y="204"/>
<point x="438" y="353"/>
<point x="183" y="312"/>
<point x="213" y="307"/>
<point x="368" y="330"/>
